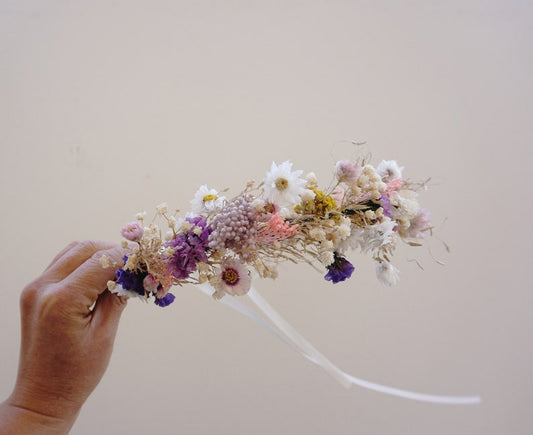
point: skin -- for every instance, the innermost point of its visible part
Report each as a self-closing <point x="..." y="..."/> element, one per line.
<point x="66" y="342"/>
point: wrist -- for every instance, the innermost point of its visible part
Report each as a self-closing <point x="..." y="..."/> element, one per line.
<point x="17" y="419"/>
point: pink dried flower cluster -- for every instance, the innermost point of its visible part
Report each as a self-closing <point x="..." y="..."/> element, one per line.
<point x="276" y="229"/>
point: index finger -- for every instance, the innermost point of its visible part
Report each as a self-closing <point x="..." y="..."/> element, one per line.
<point x="90" y="279"/>
<point x="73" y="257"/>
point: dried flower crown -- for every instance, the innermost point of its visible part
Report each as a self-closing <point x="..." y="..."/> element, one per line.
<point x="285" y="217"/>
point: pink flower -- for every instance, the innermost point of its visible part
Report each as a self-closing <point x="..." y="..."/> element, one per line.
<point x="394" y="186"/>
<point x="234" y="278"/>
<point x="132" y="231"/>
<point x="276" y="229"/>
<point x="150" y="284"/>
<point x="420" y="224"/>
<point x="338" y="195"/>
<point x="346" y="171"/>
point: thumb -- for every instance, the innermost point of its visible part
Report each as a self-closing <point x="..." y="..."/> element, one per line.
<point x="107" y="311"/>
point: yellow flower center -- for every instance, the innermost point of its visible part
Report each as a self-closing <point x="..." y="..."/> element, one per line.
<point x="230" y="276"/>
<point x="209" y="198"/>
<point x="282" y="183"/>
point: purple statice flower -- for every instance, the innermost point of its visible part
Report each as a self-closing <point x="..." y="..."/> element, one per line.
<point x="130" y="280"/>
<point x="165" y="301"/>
<point x="191" y="247"/>
<point x="385" y="204"/>
<point x="340" y="270"/>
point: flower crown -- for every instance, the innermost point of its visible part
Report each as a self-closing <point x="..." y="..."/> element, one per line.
<point x="285" y="217"/>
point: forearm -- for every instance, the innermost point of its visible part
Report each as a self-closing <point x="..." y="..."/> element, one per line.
<point x="16" y="420"/>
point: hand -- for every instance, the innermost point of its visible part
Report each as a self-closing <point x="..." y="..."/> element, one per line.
<point x="69" y="322"/>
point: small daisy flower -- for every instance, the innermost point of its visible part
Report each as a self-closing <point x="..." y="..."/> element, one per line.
<point x="207" y="201"/>
<point x="389" y="170"/>
<point x="283" y="186"/>
<point x="234" y="279"/>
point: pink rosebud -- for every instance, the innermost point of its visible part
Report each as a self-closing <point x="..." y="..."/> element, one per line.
<point x="338" y="195"/>
<point x="133" y="231"/>
<point x="346" y="171"/>
<point x="162" y="292"/>
<point x="150" y="284"/>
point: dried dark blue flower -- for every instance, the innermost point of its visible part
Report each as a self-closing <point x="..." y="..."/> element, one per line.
<point x="340" y="270"/>
<point x="130" y="280"/>
<point x="165" y="301"/>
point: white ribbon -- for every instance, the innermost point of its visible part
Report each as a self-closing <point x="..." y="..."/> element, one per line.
<point x="298" y="343"/>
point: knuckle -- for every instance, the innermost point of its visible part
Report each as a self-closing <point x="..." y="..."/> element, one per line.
<point x="28" y="296"/>
<point x="89" y="246"/>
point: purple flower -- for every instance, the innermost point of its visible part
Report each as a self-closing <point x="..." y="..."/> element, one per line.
<point x="191" y="247"/>
<point x="165" y="301"/>
<point x="340" y="270"/>
<point x="130" y="280"/>
<point x="385" y="204"/>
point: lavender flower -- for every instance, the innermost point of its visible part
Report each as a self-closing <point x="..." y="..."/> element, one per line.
<point x="191" y="248"/>
<point x="340" y="270"/>
<point x="385" y="204"/>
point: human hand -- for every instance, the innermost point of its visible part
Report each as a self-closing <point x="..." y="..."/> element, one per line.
<point x="66" y="342"/>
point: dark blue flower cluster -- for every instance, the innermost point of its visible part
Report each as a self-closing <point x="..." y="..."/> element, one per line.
<point x="340" y="270"/>
<point x="133" y="281"/>
<point x="129" y="280"/>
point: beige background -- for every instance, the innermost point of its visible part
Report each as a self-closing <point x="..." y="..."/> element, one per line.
<point x="110" y="107"/>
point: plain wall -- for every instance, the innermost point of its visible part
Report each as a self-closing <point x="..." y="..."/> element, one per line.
<point x="111" y="107"/>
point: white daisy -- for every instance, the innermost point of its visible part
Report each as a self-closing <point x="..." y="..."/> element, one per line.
<point x="389" y="170"/>
<point x="283" y="186"/>
<point x="206" y="201"/>
<point x="387" y="273"/>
